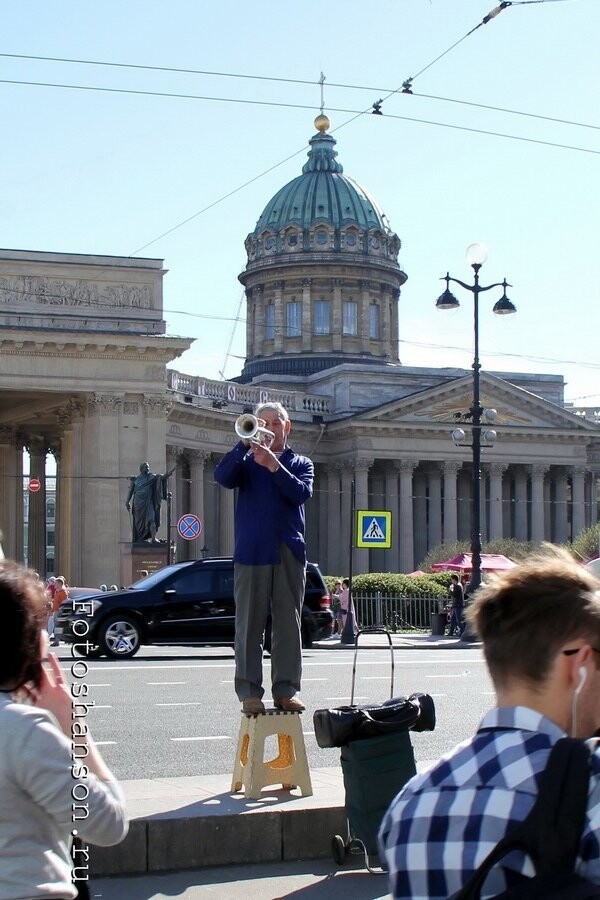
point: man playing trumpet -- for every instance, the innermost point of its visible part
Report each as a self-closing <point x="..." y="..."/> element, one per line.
<point x="269" y="560"/>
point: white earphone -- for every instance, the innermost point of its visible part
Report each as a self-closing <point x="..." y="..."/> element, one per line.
<point x="582" y="678"/>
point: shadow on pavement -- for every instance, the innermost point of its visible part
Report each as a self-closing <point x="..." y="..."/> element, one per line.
<point x="313" y="880"/>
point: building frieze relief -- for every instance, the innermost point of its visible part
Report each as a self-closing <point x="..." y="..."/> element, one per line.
<point x="18" y="290"/>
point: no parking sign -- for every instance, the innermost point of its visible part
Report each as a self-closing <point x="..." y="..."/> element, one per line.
<point x="189" y="527"/>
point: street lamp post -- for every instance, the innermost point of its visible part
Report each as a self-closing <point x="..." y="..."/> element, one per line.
<point x="476" y="256"/>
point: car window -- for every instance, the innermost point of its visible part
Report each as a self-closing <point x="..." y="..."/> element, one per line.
<point x="196" y="584"/>
<point x="313" y="580"/>
<point x="156" y="577"/>
<point x="224" y="582"/>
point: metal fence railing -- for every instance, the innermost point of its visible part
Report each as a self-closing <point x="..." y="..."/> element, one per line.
<point x="395" y="613"/>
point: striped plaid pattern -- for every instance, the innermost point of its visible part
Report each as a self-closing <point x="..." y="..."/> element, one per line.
<point x="445" y="821"/>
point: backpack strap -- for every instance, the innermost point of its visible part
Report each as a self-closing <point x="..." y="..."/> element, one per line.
<point x="551" y="833"/>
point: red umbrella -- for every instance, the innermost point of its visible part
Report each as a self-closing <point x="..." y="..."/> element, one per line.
<point x="490" y="562"/>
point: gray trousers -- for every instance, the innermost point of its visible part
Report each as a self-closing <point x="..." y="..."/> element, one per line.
<point x="278" y="589"/>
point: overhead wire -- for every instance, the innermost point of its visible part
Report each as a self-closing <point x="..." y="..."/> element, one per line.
<point x="299" y="81"/>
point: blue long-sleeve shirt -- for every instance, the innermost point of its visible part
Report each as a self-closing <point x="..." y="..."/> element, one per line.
<point x="270" y="505"/>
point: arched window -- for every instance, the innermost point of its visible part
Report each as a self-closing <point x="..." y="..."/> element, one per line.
<point x="350" y="317"/>
<point x="373" y="322"/>
<point x="270" y="322"/>
<point x="322" y="317"/>
<point x="293" y="319"/>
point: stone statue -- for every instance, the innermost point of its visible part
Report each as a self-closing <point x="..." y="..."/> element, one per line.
<point x="146" y="491"/>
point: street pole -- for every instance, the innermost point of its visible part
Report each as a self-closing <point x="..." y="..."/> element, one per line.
<point x="476" y="411"/>
<point x="347" y="636"/>
<point x="476" y="256"/>
<point x="169" y="546"/>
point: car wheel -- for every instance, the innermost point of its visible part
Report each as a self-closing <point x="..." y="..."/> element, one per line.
<point x="93" y="652"/>
<point x="119" y="637"/>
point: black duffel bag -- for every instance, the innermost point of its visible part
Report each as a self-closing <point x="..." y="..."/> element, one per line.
<point x="338" y="727"/>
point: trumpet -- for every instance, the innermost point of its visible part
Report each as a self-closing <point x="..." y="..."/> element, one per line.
<point x="248" y="428"/>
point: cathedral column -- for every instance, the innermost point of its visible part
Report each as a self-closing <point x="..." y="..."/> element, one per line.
<point x="321" y="499"/>
<point x="561" y="518"/>
<point x="103" y="514"/>
<point x="435" y="507"/>
<point x="259" y="320"/>
<point x="11" y="491"/>
<point x="496" y="518"/>
<point x="174" y="489"/>
<point x="406" y="468"/>
<point x="521" y="529"/>
<point x="226" y="522"/>
<point x="280" y="328"/>
<point x="386" y="327"/>
<point x="361" y="480"/>
<point x="346" y="524"/>
<point x="392" y="556"/>
<point x="251" y="324"/>
<point x="63" y="536"/>
<point x="593" y="518"/>
<point x="537" y="501"/>
<point x="364" y="314"/>
<point x="36" y="525"/>
<point x="420" y="547"/>
<point x="335" y="561"/>
<point x="578" y="496"/>
<point x="198" y="460"/>
<point x="450" y="508"/>
<point x="307" y="327"/>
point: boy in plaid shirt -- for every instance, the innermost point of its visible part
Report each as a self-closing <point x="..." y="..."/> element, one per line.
<point x="540" y="628"/>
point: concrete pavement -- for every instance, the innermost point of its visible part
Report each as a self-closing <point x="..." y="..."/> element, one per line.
<point x="180" y="824"/>
<point x="315" y="880"/>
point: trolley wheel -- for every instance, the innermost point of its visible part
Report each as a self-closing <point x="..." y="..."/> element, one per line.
<point x="338" y="849"/>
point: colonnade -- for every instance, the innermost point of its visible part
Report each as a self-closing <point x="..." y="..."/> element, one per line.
<point x="430" y="501"/>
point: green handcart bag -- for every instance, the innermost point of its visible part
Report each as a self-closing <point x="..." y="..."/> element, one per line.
<point x="375" y="768"/>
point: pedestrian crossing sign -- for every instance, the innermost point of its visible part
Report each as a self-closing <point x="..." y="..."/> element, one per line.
<point x="373" y="528"/>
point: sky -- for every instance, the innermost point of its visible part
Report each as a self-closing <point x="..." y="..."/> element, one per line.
<point x="109" y="172"/>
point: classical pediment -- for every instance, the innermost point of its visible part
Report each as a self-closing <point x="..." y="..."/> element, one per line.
<point x="445" y="404"/>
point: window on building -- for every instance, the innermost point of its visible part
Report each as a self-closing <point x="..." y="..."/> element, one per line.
<point x="50" y="539"/>
<point x="293" y="319"/>
<point x="50" y="509"/>
<point x="350" y="319"/>
<point x="322" y="238"/>
<point x="374" y="322"/>
<point x="322" y="320"/>
<point x="269" y="322"/>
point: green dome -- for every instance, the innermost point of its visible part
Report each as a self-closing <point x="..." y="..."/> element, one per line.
<point x="322" y="194"/>
<point x="322" y="210"/>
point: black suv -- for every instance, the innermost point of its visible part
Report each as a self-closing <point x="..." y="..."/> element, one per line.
<point x="187" y="603"/>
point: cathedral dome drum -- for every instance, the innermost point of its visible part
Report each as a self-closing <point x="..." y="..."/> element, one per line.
<point x="322" y="232"/>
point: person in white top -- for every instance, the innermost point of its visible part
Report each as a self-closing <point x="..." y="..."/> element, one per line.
<point x="54" y="783"/>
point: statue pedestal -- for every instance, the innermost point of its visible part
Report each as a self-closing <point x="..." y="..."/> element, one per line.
<point x="136" y="558"/>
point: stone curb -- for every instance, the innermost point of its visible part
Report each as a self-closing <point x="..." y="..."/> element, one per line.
<point x="186" y="823"/>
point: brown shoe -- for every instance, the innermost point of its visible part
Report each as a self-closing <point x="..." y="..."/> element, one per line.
<point x="289" y="704"/>
<point x="252" y="706"/>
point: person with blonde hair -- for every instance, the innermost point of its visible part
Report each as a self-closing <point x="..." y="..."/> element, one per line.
<point x="40" y="775"/>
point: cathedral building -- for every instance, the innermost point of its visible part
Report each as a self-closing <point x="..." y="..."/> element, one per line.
<point x="84" y="376"/>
